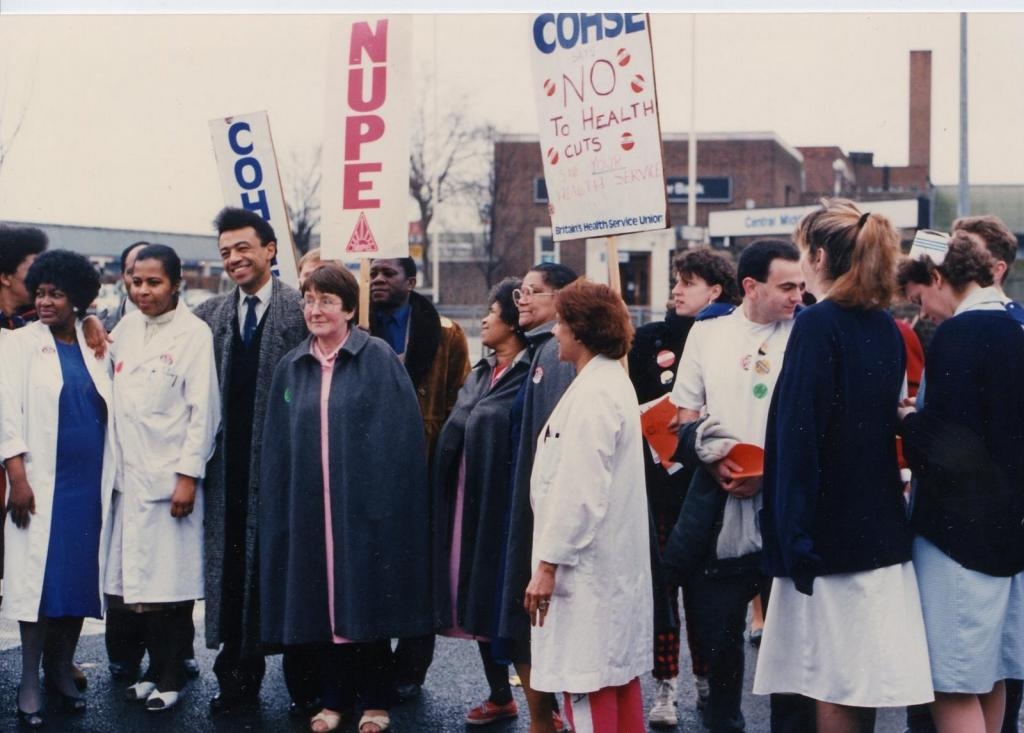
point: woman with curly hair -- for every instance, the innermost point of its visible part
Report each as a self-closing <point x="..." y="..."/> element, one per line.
<point x="54" y="402"/>
<point x="968" y="505"/>
<point x="472" y="495"/>
<point x="590" y="598"/>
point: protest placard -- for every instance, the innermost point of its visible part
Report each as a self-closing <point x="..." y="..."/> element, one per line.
<point x="250" y="180"/>
<point x="365" y="209"/>
<point x="599" y="130"/>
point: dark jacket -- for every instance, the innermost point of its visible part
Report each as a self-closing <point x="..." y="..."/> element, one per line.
<point x="653" y="363"/>
<point x="437" y="360"/>
<point x="965" y="445"/>
<point x="477" y="433"/>
<point x="378" y="492"/>
<point x="691" y="545"/>
<point x="283" y="327"/>
<point x="833" y="500"/>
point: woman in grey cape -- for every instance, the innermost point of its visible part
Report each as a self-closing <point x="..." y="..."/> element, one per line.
<point x="344" y="544"/>
<point x="472" y="493"/>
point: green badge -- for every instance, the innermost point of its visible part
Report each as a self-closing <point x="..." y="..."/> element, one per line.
<point x="288" y="394"/>
<point x="760" y="390"/>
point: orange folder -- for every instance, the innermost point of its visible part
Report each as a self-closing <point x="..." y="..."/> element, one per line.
<point x="654" y="421"/>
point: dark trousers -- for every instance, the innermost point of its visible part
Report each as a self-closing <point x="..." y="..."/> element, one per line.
<point x="302" y="675"/>
<point x="168" y="633"/>
<point x="719" y="609"/>
<point x="412" y="658"/>
<point x="238" y="675"/>
<point x="125" y="637"/>
<point x="497" y="676"/>
<point x="360" y="672"/>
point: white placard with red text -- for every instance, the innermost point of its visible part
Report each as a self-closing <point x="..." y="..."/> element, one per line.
<point x="250" y="180"/>
<point x="365" y="210"/>
<point x="599" y="132"/>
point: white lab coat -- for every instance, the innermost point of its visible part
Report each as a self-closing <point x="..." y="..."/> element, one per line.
<point x="166" y="415"/>
<point x="29" y="406"/>
<point x="590" y="518"/>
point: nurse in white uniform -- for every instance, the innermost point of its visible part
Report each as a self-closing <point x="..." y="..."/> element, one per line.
<point x="166" y="415"/>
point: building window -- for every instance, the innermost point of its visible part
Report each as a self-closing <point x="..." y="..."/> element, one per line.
<point x="545" y="248"/>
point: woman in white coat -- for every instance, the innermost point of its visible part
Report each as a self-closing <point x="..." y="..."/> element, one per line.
<point x="166" y="415"/>
<point x="590" y="599"/>
<point x="56" y="446"/>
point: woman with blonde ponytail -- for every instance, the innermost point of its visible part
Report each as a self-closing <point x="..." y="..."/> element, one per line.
<point x="844" y="623"/>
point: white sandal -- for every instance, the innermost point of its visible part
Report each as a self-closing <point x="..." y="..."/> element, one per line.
<point x="328" y="717"/>
<point x="162" y="700"/>
<point x="383" y="722"/>
<point x="140" y="691"/>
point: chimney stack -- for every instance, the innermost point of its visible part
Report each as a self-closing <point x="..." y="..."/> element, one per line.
<point x="920" y="108"/>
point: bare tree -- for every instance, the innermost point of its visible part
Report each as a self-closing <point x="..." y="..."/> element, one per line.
<point x="438" y="161"/>
<point x="489" y="193"/>
<point x="10" y="126"/>
<point x="302" y="197"/>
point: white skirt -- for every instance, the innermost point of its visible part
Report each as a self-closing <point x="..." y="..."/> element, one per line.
<point x="859" y="640"/>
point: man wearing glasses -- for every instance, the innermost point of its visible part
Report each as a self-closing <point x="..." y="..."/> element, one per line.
<point x="544" y="386"/>
<point x="436" y="356"/>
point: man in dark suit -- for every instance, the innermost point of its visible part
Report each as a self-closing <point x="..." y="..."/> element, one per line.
<point x="436" y="356"/>
<point x="253" y="326"/>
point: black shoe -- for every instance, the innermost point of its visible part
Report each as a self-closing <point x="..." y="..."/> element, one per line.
<point x="31" y="720"/>
<point x="755" y="638"/>
<point x="72" y="704"/>
<point x="191" y="668"/>
<point x="305" y="708"/>
<point x="408" y="692"/>
<point x="229" y="705"/>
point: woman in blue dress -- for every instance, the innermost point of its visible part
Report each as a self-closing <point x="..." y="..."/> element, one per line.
<point x="54" y="442"/>
<point x="968" y="506"/>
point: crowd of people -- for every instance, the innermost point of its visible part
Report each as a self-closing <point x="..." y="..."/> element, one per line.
<point x="340" y="495"/>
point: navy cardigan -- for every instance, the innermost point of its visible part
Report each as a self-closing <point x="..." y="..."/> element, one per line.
<point x="966" y="445"/>
<point x="832" y="490"/>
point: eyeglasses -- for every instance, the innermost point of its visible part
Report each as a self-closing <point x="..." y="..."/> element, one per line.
<point x="327" y="305"/>
<point x="521" y="294"/>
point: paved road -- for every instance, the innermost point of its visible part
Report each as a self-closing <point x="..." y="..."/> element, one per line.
<point x="455" y="684"/>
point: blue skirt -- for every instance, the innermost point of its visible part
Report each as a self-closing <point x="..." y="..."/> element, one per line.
<point x="974" y="622"/>
<point x="71" y="580"/>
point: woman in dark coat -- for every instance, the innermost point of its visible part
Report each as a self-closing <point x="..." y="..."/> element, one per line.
<point x="344" y="543"/>
<point x="472" y="493"/>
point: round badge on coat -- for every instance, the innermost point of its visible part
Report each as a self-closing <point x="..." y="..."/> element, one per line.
<point x="538" y="374"/>
<point x="667" y="376"/>
<point x="665" y="358"/>
<point x="760" y="390"/>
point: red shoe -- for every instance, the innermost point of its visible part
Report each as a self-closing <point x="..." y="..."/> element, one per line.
<point x="487" y="712"/>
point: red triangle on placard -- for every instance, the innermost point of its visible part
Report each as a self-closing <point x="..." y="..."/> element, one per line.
<point x="362" y="238"/>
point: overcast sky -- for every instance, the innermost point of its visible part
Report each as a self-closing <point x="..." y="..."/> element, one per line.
<point x="114" y="109"/>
